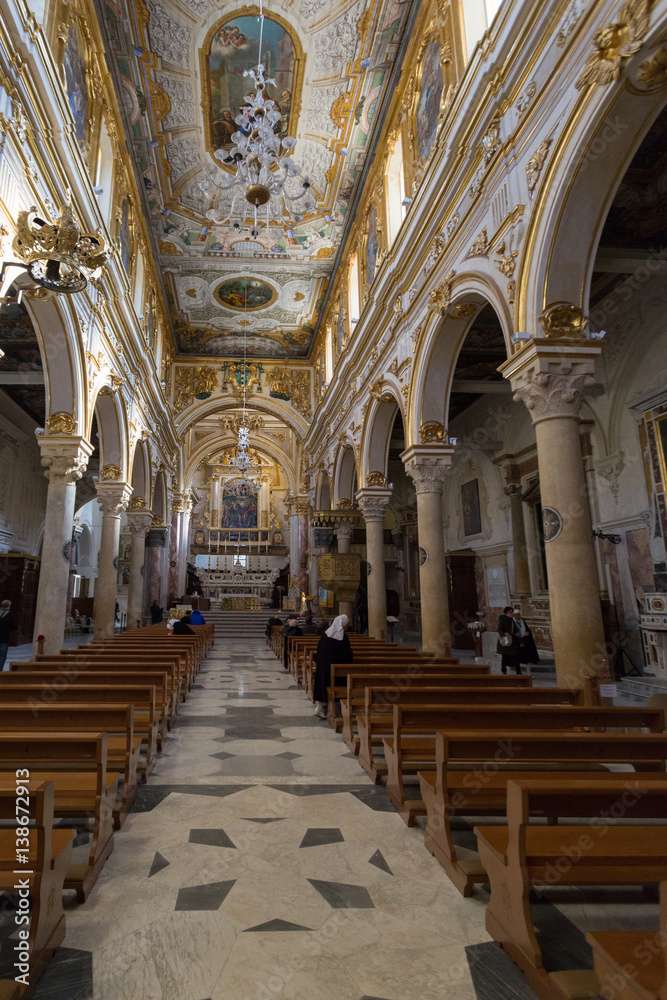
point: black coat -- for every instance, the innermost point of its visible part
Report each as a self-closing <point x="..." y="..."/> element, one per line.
<point x="329" y="651"/>
<point x="527" y="649"/>
<point x="507" y="626"/>
<point x="7" y="626"/>
<point x="182" y="628"/>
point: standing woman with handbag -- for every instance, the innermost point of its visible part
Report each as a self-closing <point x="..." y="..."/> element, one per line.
<point x="508" y="641"/>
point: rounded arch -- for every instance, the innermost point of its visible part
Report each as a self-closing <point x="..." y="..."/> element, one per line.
<point x="265" y="445"/>
<point x="345" y="475"/>
<point x="439" y="349"/>
<point x="200" y="409"/>
<point x="112" y="430"/>
<point x="140" y="472"/>
<point x="376" y="434"/>
<point x="579" y="182"/>
<point x="323" y="491"/>
<point x="61" y="349"/>
<point x="159" y="505"/>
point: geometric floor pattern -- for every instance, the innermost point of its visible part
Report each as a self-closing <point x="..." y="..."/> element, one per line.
<point x="259" y="863"/>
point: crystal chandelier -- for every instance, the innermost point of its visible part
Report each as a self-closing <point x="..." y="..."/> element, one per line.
<point x="266" y="185"/>
<point x="243" y="481"/>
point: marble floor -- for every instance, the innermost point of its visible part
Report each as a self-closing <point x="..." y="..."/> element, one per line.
<point x="259" y="863"/>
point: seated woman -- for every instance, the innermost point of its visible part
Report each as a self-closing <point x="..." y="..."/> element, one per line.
<point x="333" y="647"/>
<point x="180" y="626"/>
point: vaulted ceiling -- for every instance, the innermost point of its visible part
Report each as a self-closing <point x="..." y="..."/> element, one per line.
<point x="178" y="68"/>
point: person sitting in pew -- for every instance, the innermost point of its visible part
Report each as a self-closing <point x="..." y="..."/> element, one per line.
<point x="333" y="647"/>
<point x="197" y="618"/>
<point x="180" y="626"/>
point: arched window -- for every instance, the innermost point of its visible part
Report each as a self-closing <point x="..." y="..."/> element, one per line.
<point x="353" y="289"/>
<point x="395" y="191"/>
<point x="477" y="16"/>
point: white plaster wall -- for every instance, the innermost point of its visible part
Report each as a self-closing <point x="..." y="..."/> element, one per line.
<point x="23" y="485"/>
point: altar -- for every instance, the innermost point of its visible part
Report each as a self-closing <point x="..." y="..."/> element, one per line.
<point x="238" y="585"/>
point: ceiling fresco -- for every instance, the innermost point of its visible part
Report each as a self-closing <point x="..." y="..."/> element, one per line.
<point x="178" y="67"/>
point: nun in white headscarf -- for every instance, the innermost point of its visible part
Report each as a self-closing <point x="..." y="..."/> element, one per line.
<point x="333" y="647"/>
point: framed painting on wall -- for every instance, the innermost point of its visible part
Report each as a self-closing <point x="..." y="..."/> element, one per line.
<point x="239" y="512"/>
<point x="74" y="68"/>
<point x="430" y="94"/>
<point x="472" y="515"/>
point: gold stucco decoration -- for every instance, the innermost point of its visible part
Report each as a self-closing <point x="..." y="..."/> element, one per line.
<point x="614" y="43"/>
<point x="137" y="503"/>
<point x="653" y="72"/>
<point x="431" y="430"/>
<point x="344" y="504"/>
<point x="111" y="472"/>
<point x="535" y="164"/>
<point x="562" y="320"/>
<point x="376" y="479"/>
<point x="61" y="423"/>
<point x="442" y="295"/>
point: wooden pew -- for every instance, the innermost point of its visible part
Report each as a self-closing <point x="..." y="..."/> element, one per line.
<point x="302" y="648"/>
<point x="411" y="748"/>
<point x="77" y="765"/>
<point x="603" y="852"/>
<point x="473" y="768"/>
<point x="58" y="678"/>
<point x="147" y="719"/>
<point x="413" y="664"/>
<point x="632" y="965"/>
<point x="379" y="701"/>
<point x="116" y="720"/>
<point x="390" y="686"/>
<point x="102" y="659"/>
<point x="133" y="649"/>
<point x="48" y="853"/>
<point x="382" y="660"/>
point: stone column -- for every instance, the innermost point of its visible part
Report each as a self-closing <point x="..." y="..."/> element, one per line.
<point x="174" y="547"/>
<point x="344" y="534"/>
<point x="184" y="547"/>
<point x="76" y="535"/>
<point x="65" y="459"/>
<point x="139" y="521"/>
<point x="112" y="498"/>
<point x="214" y="502"/>
<point x="427" y="464"/>
<point x="549" y="376"/>
<point x="303" y="525"/>
<point x="520" y="545"/>
<point x="155" y="578"/>
<point x="373" y="503"/>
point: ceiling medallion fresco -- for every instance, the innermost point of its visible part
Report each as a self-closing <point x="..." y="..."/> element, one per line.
<point x="178" y="68"/>
<point x="231" y="47"/>
<point x="245" y="294"/>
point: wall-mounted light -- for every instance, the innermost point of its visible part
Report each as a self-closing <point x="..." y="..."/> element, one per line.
<point x="519" y="338"/>
<point x="355" y="319"/>
<point x="407" y="202"/>
<point x="597" y="334"/>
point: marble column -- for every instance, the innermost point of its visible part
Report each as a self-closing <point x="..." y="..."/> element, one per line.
<point x="549" y="376"/>
<point x="427" y="466"/>
<point x="76" y="535"/>
<point x="373" y="504"/>
<point x="303" y="527"/>
<point x="174" y="548"/>
<point x="112" y="497"/>
<point x="520" y="545"/>
<point x="155" y="577"/>
<point x="139" y="521"/>
<point x="184" y="546"/>
<point x="214" y="502"/>
<point x="65" y="459"/>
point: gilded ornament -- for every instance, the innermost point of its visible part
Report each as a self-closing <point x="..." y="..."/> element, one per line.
<point x="431" y="431"/>
<point x="614" y="43"/>
<point x="507" y="264"/>
<point x="490" y="142"/>
<point x="137" y="503"/>
<point x="563" y="320"/>
<point x="61" y="423"/>
<point x="59" y="256"/>
<point x="341" y="109"/>
<point x="344" y="504"/>
<point x="535" y="164"/>
<point x="442" y="295"/>
<point x="653" y="72"/>
<point x="376" y="479"/>
<point x="464" y="311"/>
<point x="111" y="472"/>
<point x="480" y="245"/>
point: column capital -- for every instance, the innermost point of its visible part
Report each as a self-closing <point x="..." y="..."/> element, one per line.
<point x="113" y="496"/>
<point x="139" y="521"/>
<point x="373" y="503"/>
<point x="427" y="465"/>
<point x="513" y="490"/>
<point x="550" y="377"/>
<point x="65" y="459"/>
<point x="344" y="530"/>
